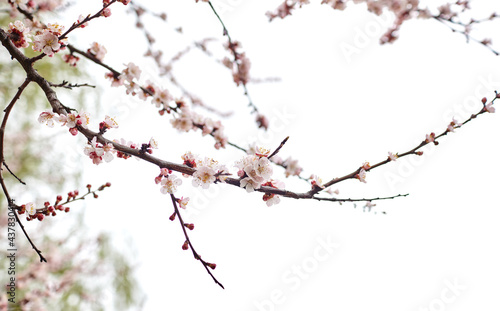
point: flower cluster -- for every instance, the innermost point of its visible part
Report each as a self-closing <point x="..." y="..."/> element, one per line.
<point x="47" y="40"/>
<point x="71" y="120"/>
<point x="168" y="182"/>
<point x="254" y="170"/>
<point x="240" y="66"/>
<point x="128" y="75"/>
<point x="98" y="152"/>
<point x="188" y="120"/>
<point x="184" y="120"/>
<point x="208" y="171"/>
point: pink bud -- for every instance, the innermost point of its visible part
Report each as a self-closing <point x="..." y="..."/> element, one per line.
<point x="106" y="12"/>
<point x="172" y="217"/>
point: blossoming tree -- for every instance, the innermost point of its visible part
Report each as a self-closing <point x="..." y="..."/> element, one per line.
<point x="255" y="171"/>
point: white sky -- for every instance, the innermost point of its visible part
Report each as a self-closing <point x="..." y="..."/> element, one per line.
<point x="338" y="114"/>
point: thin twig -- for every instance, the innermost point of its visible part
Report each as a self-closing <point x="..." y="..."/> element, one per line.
<point x="67" y="85"/>
<point x="18" y="179"/>
<point x="10" y="201"/>
<point x="360" y="200"/>
<point x="279" y="148"/>
<point x="236" y="57"/>
<point x="400" y="155"/>
<point x="195" y="254"/>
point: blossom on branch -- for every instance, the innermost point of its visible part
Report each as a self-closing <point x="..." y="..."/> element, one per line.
<point x="98" y="152"/>
<point x="208" y="172"/>
<point x="392" y="156"/>
<point x="47" y="117"/>
<point x="489" y="108"/>
<point x="254" y="171"/>
<point x="31" y="208"/>
<point x="19" y="34"/>
<point x="97" y="50"/>
<point x="169" y="184"/>
<point x="453" y="125"/>
<point x="183" y="202"/>
<point x="316" y="182"/>
<point x="361" y="175"/>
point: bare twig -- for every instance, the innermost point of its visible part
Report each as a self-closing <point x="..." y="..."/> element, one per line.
<point x="67" y="85"/>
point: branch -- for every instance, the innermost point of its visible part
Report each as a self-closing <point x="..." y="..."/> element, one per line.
<point x="232" y="48"/>
<point x="67" y="85"/>
<point x="195" y="254"/>
<point x="10" y="201"/>
<point x="360" y="200"/>
<point x="413" y="151"/>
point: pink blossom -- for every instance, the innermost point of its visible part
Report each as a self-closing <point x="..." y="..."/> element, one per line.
<point x="169" y="184"/>
<point x="97" y="50"/>
<point x="47" y="117"/>
<point x="46" y="42"/>
<point x="19" y="34"/>
<point x="361" y="175"/>
<point x="489" y="108"/>
<point x="292" y="167"/>
<point x="93" y="151"/>
<point x="316" y="182"/>
<point x="183" y="202"/>
<point x="392" y="156"/>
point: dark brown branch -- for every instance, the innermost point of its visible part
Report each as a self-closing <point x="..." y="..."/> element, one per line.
<point x="360" y="200"/>
<point x="195" y="254"/>
<point x="12" y="173"/>
<point x="10" y="201"/>
<point x="279" y="147"/>
<point x="67" y="85"/>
